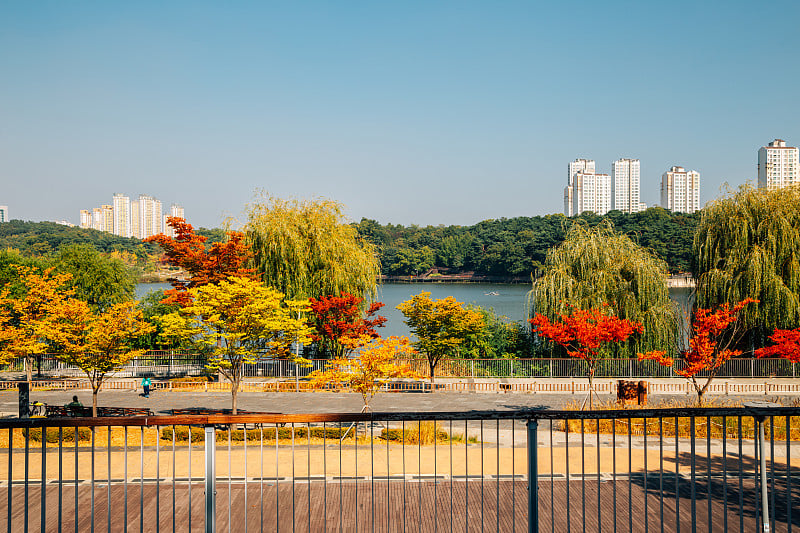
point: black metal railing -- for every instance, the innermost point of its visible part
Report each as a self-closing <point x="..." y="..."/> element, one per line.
<point x="731" y="469"/>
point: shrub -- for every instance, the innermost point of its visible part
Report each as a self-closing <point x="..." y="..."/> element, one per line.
<point x="67" y="434"/>
<point x="424" y="432"/>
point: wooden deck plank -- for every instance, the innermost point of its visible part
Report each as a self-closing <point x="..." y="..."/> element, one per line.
<point x="423" y="506"/>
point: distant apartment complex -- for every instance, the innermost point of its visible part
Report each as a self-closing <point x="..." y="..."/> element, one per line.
<point x="588" y="190"/>
<point x="778" y="165"/>
<point x="4" y="213"/>
<point x="140" y="218"/>
<point x="625" y="178"/>
<point x="680" y="190"/>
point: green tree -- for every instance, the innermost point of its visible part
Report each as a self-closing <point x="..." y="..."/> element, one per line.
<point x="595" y="266"/>
<point x="441" y="326"/>
<point x="239" y="320"/>
<point x="747" y="245"/>
<point x="305" y="249"/>
<point x="99" y="280"/>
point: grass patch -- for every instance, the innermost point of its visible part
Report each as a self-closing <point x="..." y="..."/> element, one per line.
<point x="716" y="427"/>
<point x="423" y="432"/>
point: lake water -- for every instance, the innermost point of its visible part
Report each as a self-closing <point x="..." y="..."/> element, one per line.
<point x="506" y="300"/>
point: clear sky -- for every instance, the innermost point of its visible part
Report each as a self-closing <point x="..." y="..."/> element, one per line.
<point x="426" y="112"/>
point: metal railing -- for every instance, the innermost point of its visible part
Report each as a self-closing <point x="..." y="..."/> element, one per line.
<point x="174" y="364"/>
<point x="631" y="470"/>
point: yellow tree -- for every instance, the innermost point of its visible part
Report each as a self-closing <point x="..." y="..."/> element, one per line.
<point x="441" y="326"/>
<point x="240" y="320"/>
<point x="29" y="323"/>
<point x="375" y="365"/>
<point x="100" y="344"/>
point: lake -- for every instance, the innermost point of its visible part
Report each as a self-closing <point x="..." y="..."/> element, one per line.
<point x="506" y="300"/>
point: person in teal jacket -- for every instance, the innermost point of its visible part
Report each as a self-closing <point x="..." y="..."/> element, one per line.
<point x="146" y="386"/>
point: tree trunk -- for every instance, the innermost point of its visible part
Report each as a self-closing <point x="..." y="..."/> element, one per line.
<point x="591" y="390"/>
<point x="234" y="393"/>
<point x="432" y="365"/>
<point x="95" y="390"/>
<point x="28" y="369"/>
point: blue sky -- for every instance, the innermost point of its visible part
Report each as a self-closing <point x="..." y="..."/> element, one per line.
<point x="406" y="112"/>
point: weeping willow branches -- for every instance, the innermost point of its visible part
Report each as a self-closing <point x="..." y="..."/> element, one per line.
<point x="747" y="245"/>
<point x="597" y="265"/>
<point x="305" y="249"/>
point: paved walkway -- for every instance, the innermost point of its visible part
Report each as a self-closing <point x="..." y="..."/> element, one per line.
<point x="324" y="402"/>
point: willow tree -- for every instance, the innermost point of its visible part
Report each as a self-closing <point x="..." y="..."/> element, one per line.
<point x="597" y="266"/>
<point x="747" y="245"/>
<point x="305" y="249"/>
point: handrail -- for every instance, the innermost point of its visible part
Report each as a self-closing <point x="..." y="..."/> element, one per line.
<point x="519" y="414"/>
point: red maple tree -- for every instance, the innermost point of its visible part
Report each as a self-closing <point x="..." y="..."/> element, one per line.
<point x="338" y="318"/>
<point x="584" y="332"/>
<point x="787" y="345"/>
<point x="188" y="251"/>
<point x="714" y="334"/>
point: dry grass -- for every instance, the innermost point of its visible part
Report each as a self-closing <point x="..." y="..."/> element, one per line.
<point x="715" y="426"/>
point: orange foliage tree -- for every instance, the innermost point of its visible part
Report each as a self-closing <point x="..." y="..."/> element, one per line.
<point x="375" y="365"/>
<point x="100" y="344"/>
<point x="584" y="332"/>
<point x="30" y="323"/>
<point x="714" y="334"/>
<point x="338" y="318"/>
<point x="188" y="251"/>
<point x="786" y="345"/>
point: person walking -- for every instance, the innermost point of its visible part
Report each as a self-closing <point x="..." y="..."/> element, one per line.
<point x="146" y="386"/>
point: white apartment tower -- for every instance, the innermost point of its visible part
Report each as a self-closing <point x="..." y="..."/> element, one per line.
<point x="122" y="215"/>
<point x="175" y="210"/>
<point x="592" y="192"/>
<point x="680" y="190"/>
<point x="625" y="185"/>
<point x="586" y="190"/>
<point x="97" y="218"/>
<point x="4" y="213"/>
<point x="86" y="219"/>
<point x="778" y="165"/>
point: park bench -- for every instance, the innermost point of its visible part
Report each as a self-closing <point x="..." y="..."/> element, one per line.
<point x="61" y="411"/>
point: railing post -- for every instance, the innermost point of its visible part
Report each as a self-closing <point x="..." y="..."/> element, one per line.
<point x="210" y="479"/>
<point x="759" y="419"/>
<point x="533" y="477"/>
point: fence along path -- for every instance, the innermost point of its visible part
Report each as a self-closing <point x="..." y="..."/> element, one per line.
<point x="703" y="483"/>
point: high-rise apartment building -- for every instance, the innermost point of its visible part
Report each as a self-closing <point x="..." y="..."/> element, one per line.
<point x="107" y="218"/>
<point x="680" y="190"/>
<point x="122" y="215"/>
<point x="97" y="218"/>
<point x="586" y="190"/>
<point x="592" y="192"/>
<point x="175" y="210"/>
<point x="4" y="213"/>
<point x="778" y="165"/>
<point x="570" y="191"/>
<point x="625" y="185"/>
<point x="86" y="219"/>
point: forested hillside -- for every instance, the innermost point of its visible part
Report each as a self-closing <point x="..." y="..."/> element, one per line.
<point x="516" y="247"/>
<point x="35" y="239"/>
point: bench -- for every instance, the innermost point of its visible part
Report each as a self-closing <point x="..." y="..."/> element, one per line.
<point x="62" y="411"/>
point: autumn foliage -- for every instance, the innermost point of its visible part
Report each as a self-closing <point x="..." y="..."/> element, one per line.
<point x="786" y="345"/>
<point x="375" y="365"/>
<point x="338" y="319"/>
<point x="584" y="332"/>
<point x="188" y="251"/>
<point x="714" y="334"/>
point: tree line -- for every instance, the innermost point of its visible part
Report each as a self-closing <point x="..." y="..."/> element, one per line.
<point x="517" y="247"/>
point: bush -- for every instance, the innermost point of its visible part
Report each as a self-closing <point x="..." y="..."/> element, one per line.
<point x="67" y="434"/>
<point x="418" y="433"/>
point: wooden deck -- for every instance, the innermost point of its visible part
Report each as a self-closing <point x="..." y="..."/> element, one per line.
<point x="411" y="506"/>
